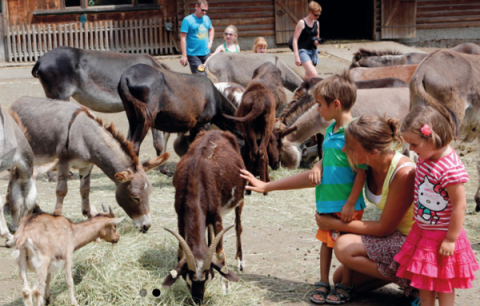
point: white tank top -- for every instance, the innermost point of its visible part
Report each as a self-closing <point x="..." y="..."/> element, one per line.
<point x="376" y="198"/>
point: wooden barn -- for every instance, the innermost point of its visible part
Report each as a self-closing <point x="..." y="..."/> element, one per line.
<point x="32" y="27"/>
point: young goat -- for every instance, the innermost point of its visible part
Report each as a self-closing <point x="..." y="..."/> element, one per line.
<point x="45" y="243"/>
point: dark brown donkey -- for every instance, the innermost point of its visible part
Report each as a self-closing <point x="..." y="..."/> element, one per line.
<point x="171" y="102"/>
<point x="256" y="121"/>
<point x="71" y="133"/>
<point x="207" y="187"/>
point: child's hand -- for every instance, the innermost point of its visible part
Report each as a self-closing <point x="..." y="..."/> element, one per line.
<point x="256" y="184"/>
<point x="315" y="175"/>
<point x="298" y="62"/>
<point x="347" y="213"/>
<point x="447" y="248"/>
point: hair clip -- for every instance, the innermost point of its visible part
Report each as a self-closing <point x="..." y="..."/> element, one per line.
<point x="426" y="131"/>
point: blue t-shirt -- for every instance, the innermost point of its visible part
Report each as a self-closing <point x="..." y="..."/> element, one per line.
<point x="197" y="34"/>
<point x="337" y="177"/>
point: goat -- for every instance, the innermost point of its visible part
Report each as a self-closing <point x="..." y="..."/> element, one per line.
<point x="45" y="243"/>
<point x="207" y="187"/>
<point x="232" y="91"/>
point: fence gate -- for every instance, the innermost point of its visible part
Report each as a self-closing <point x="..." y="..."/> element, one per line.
<point x="26" y="43"/>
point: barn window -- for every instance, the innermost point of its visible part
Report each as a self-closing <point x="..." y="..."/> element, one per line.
<point x="108" y="2"/>
<point x="72" y="3"/>
<point x="96" y="3"/>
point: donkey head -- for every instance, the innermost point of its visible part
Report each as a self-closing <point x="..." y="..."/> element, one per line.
<point x="275" y="146"/>
<point x="197" y="272"/>
<point x="22" y="192"/>
<point x="133" y="191"/>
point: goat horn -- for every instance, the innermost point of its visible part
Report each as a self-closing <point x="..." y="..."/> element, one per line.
<point x="110" y="210"/>
<point x="213" y="248"/>
<point x="186" y="249"/>
<point x="104" y="207"/>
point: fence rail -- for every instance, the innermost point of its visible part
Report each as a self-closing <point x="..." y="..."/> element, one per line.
<point x="26" y="43"/>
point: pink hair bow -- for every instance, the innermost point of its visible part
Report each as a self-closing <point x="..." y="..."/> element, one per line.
<point x="426" y="130"/>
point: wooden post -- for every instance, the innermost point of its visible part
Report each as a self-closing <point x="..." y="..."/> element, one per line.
<point x="2" y="39"/>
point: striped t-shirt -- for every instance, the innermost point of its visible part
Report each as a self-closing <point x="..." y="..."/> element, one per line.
<point x="433" y="208"/>
<point x="337" y="177"/>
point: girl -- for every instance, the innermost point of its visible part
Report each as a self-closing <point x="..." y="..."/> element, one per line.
<point x="306" y="39"/>
<point x="230" y="45"/>
<point x="436" y="256"/>
<point x="260" y="45"/>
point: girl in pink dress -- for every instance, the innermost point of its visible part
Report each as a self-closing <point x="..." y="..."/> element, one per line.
<point x="436" y="256"/>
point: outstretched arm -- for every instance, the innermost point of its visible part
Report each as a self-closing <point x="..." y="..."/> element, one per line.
<point x="297" y="181"/>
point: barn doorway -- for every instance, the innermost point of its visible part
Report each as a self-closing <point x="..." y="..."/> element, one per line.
<point x="346" y="19"/>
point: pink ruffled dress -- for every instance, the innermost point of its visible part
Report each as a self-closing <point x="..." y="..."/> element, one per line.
<point x="419" y="257"/>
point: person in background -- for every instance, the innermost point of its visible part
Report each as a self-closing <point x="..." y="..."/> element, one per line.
<point x="196" y="37"/>
<point x="260" y="45"/>
<point x="229" y="46"/>
<point x="306" y="39"/>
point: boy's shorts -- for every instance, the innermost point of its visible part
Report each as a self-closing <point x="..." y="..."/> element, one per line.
<point x="326" y="236"/>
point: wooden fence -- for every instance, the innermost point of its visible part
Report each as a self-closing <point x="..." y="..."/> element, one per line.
<point x="26" y="43"/>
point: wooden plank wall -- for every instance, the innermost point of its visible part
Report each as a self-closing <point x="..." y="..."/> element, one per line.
<point x="251" y="17"/>
<point x="442" y="14"/>
<point x="20" y="12"/>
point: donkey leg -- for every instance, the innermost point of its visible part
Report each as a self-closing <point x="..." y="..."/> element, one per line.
<point x="160" y="142"/>
<point x="85" y="189"/>
<point x="4" y="232"/>
<point x="239" y="230"/>
<point x="62" y="187"/>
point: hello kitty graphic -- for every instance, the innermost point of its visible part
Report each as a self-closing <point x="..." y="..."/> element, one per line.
<point x="431" y="199"/>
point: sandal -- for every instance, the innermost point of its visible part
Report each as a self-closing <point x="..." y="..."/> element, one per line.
<point x="323" y="294"/>
<point x="342" y="292"/>
<point x="416" y="302"/>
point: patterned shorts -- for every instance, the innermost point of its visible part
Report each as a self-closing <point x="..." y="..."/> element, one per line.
<point x="382" y="250"/>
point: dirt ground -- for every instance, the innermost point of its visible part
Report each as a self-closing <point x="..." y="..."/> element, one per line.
<point x="281" y="251"/>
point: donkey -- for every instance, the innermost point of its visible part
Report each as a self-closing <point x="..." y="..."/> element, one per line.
<point x="233" y="92"/>
<point x="239" y="67"/>
<point x="450" y="82"/>
<point x="383" y="58"/>
<point x="71" y="133"/>
<point x="171" y="102"/>
<point x="17" y="156"/>
<point x="392" y="102"/>
<point x="207" y="187"/>
<point x="90" y="77"/>
<point x="403" y="72"/>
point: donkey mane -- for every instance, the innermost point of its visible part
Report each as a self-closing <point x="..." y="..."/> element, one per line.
<point x="297" y="72"/>
<point x="126" y="145"/>
<point x="364" y="52"/>
<point x="164" y="66"/>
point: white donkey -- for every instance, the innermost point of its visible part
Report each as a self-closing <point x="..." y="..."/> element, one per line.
<point x="17" y="155"/>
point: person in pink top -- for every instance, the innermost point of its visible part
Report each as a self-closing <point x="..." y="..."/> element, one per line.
<point x="436" y="256"/>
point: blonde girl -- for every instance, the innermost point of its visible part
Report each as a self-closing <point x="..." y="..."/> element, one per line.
<point x="260" y="45"/>
<point x="436" y="256"/>
<point x="230" y="45"/>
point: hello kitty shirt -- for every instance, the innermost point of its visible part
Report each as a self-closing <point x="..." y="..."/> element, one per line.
<point x="432" y="205"/>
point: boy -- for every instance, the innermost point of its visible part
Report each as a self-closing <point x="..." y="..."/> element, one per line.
<point x="340" y="190"/>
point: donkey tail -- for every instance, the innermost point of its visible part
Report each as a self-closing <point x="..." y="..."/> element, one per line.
<point x="417" y="87"/>
<point x="211" y="76"/>
<point x="142" y="110"/>
<point x="253" y="96"/>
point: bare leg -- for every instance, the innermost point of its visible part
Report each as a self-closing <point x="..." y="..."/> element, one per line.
<point x="362" y="282"/>
<point x="85" y="189"/>
<point x="69" y="281"/>
<point x="310" y="70"/>
<point x="325" y="262"/>
<point x="22" y="267"/>
<point x="446" y="299"/>
<point x="427" y="298"/>
<point x="62" y="187"/>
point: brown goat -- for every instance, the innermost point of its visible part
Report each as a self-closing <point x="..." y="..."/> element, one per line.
<point x="45" y="243"/>
<point x="207" y="187"/>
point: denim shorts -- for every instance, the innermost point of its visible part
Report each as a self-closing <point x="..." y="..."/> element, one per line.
<point x="308" y="55"/>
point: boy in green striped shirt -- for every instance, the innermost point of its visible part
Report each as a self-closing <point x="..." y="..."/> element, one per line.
<point x="340" y="190"/>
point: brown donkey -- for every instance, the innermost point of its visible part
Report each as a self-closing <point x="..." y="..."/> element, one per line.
<point x="71" y="133"/>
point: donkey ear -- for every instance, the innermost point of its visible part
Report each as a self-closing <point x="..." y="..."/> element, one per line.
<point x="124" y="176"/>
<point x="288" y="131"/>
<point x="155" y="162"/>
<point x="44" y="168"/>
